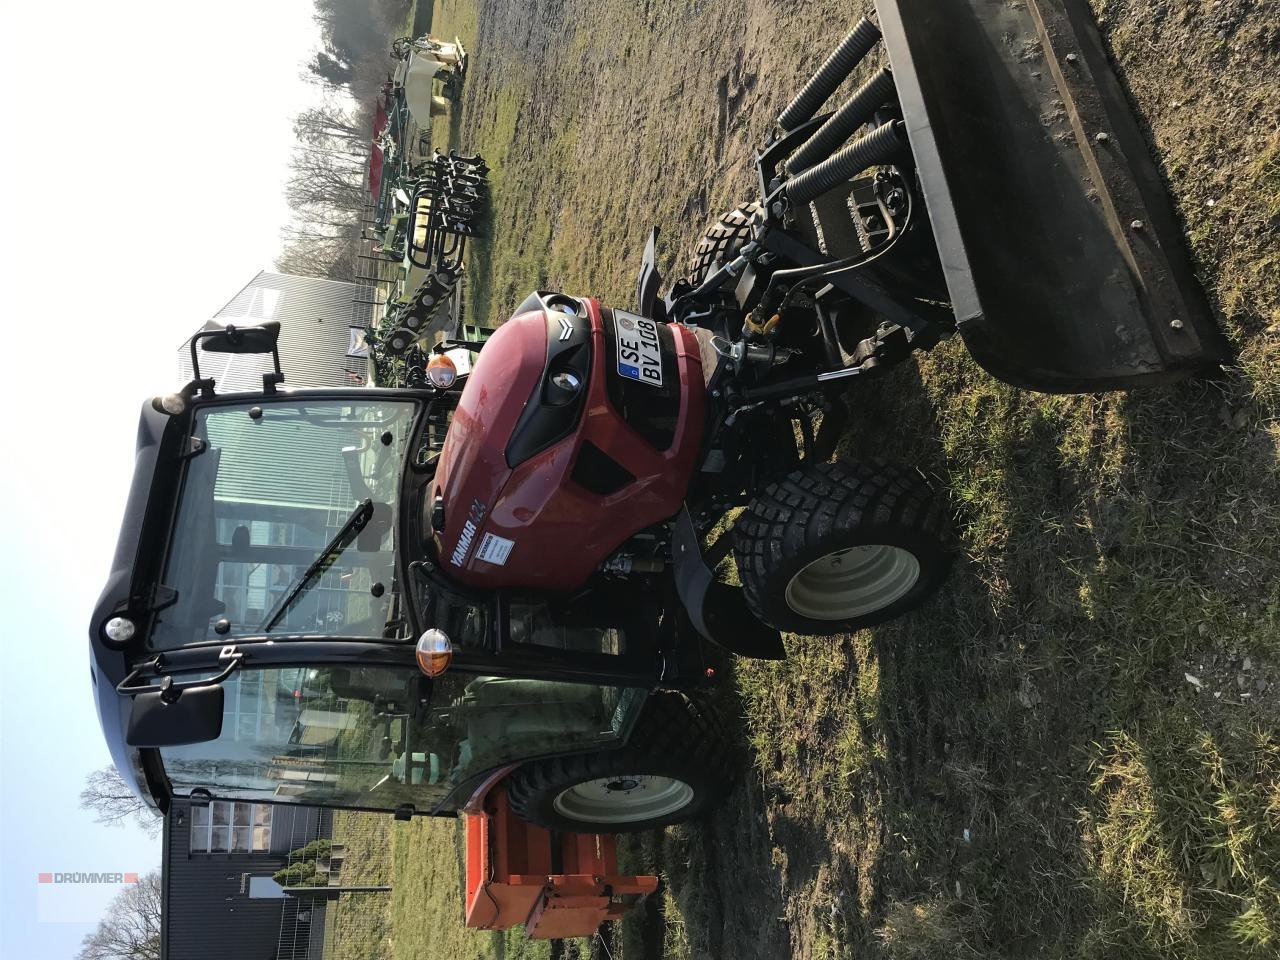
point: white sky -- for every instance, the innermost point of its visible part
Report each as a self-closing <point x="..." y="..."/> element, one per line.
<point x="142" y="171"/>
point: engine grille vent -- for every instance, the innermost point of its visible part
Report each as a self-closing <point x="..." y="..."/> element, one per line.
<point x="598" y="472"/>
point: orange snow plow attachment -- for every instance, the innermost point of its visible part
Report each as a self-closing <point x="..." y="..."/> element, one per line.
<point x="557" y="885"/>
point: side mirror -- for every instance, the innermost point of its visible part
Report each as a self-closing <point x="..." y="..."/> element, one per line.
<point x="159" y="719"/>
<point x="263" y="338"/>
<point x="232" y="339"/>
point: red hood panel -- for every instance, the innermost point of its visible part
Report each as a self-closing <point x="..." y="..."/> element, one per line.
<point x="473" y="466"/>
<point x="533" y="526"/>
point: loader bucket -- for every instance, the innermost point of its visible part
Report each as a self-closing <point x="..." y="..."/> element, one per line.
<point x="1062" y="254"/>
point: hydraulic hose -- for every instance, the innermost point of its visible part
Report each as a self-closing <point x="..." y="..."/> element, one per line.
<point x="842" y="124"/>
<point x="830" y="75"/>
<point x="880" y="146"/>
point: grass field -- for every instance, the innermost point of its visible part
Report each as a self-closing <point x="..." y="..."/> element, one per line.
<point x="358" y="924"/>
<point x="1075" y="750"/>
<point x="423" y="915"/>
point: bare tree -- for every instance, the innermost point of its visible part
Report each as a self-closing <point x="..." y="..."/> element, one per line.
<point x="131" y="928"/>
<point x="332" y="70"/>
<point x="329" y="126"/>
<point x="106" y="795"/>
<point x="310" y="251"/>
<point x="327" y="191"/>
<point x="323" y="182"/>
<point x="352" y="31"/>
<point x="327" y="188"/>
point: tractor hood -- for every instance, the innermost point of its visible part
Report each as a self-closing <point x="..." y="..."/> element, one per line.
<point x="523" y="398"/>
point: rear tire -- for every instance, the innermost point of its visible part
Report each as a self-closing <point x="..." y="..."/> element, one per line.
<point x="722" y="241"/>
<point x="835" y="547"/>
<point x="674" y="768"/>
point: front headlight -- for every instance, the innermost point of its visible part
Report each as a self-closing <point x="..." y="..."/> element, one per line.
<point x="565" y="385"/>
<point x="559" y="303"/>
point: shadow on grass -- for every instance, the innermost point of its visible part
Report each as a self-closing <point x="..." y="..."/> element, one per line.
<point x="721" y="885"/>
<point x="1019" y="766"/>
<point x="1108" y="542"/>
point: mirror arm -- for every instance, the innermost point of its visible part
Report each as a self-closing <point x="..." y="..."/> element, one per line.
<point x="202" y="384"/>
<point x="168" y="690"/>
<point x="271" y="380"/>
<point x="126" y="685"/>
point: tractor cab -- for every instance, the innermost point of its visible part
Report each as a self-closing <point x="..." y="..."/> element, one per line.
<point x="277" y="627"/>
<point x="385" y="737"/>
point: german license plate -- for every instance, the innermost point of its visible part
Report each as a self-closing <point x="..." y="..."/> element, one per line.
<point x="639" y="355"/>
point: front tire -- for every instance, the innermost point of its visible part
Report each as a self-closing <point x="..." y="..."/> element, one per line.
<point x="674" y="768"/>
<point x="722" y="241"/>
<point x="835" y="547"/>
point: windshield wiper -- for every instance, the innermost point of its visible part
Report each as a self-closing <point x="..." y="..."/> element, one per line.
<point x="358" y="520"/>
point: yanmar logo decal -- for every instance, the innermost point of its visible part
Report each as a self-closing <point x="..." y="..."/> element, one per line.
<point x="468" y="537"/>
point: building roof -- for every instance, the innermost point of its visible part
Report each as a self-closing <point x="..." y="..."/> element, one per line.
<point x="316" y="318"/>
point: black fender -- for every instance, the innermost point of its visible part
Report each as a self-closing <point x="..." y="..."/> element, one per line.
<point x="718" y="611"/>
<point x="650" y="279"/>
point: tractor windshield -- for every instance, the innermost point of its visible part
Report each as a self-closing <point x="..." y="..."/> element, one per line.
<point x="362" y="736"/>
<point x="286" y="522"/>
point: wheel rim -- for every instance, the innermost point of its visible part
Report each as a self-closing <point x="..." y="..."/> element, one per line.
<point x="853" y="582"/>
<point x="625" y="798"/>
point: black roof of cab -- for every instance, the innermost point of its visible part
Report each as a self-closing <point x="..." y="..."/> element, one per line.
<point x="136" y="559"/>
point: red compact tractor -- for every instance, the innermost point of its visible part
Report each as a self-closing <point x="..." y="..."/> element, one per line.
<point x="498" y="593"/>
